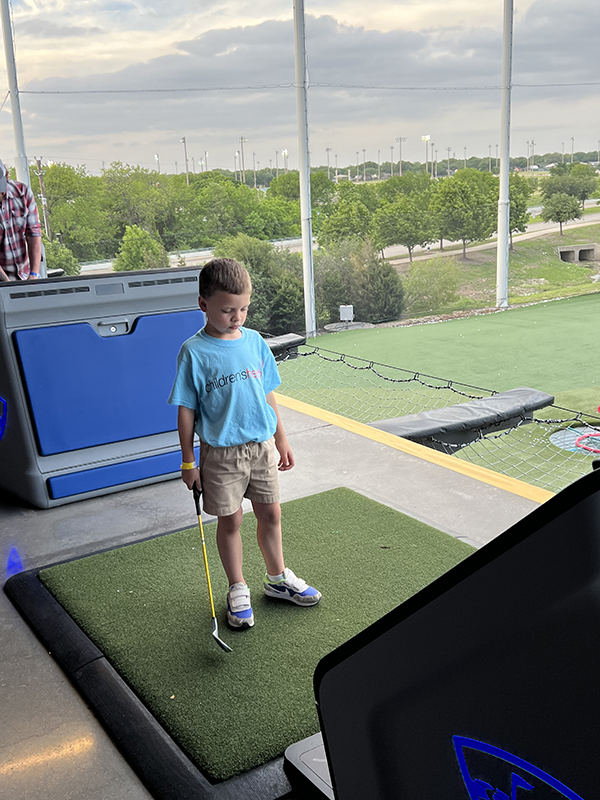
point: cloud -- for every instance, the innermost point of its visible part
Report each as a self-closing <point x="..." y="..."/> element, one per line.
<point x="343" y="118"/>
<point x="44" y="29"/>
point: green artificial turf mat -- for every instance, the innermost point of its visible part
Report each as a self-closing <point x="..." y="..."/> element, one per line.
<point x="146" y="607"/>
<point x="548" y="346"/>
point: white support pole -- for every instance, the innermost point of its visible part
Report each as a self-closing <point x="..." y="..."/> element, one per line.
<point x="305" y="209"/>
<point x="503" y="199"/>
<point x="11" y="68"/>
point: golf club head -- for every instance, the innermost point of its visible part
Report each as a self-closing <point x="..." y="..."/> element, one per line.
<point x="220" y="642"/>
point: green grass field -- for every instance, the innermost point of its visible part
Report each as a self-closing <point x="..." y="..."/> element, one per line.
<point x="551" y="346"/>
<point x="535" y="271"/>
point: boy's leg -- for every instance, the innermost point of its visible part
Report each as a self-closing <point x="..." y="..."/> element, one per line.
<point x="280" y="582"/>
<point x="268" y="534"/>
<point x="229" y="543"/>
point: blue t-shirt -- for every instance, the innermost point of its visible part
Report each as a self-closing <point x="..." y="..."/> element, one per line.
<point x="225" y="381"/>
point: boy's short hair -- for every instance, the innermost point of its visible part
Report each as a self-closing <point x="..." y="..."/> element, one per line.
<point x="223" y="275"/>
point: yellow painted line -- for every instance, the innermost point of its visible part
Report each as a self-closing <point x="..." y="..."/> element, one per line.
<point x="481" y="474"/>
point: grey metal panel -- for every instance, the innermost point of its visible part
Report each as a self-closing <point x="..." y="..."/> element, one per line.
<point x="105" y="301"/>
<point x="92" y="298"/>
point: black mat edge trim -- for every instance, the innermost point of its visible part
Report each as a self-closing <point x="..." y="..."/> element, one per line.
<point x="160" y="764"/>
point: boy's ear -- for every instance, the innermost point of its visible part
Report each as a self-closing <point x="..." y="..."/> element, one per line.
<point x="202" y="303"/>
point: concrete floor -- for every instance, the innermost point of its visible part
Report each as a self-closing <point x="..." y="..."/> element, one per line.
<point x="50" y="744"/>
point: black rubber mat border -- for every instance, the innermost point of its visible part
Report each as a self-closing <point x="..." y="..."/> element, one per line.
<point x="157" y="760"/>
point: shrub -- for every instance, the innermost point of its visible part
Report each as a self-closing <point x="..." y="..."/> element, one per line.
<point x="431" y="284"/>
<point x="58" y="256"/>
<point x="139" y="250"/>
<point x="351" y="272"/>
<point x="277" y="304"/>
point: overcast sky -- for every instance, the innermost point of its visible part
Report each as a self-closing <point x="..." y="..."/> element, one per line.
<point x="221" y="47"/>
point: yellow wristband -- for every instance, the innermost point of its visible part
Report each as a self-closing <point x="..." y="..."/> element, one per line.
<point x="189" y="465"/>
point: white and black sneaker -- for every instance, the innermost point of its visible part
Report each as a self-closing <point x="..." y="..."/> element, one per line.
<point x="293" y="589"/>
<point x="239" y="609"/>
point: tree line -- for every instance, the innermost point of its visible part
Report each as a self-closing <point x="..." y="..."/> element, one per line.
<point x="135" y="216"/>
<point x="89" y="214"/>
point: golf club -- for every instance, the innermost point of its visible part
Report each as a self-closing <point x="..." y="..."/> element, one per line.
<point x="215" y="630"/>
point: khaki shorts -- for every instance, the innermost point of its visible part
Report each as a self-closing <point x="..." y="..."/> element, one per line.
<point x="229" y="474"/>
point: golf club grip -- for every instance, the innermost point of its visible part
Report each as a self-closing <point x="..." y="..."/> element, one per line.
<point x="196" y="492"/>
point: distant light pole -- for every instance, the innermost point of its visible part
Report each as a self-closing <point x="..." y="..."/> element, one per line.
<point x="496" y="156"/>
<point x="489" y="157"/>
<point x="527" y="155"/>
<point x="465" y="157"/>
<point x="400" y="139"/>
<point x="572" y="145"/>
<point x="431" y="146"/>
<point x="426" y="139"/>
<point x="157" y="162"/>
<point x="243" y="166"/>
<point x="277" y="163"/>
<point x="43" y="198"/>
<point x="285" y="154"/>
<point x="328" y="150"/>
<point x="532" y="154"/>
<point x="392" y="161"/>
<point x="187" y="172"/>
<point x="563" y="152"/>
<point x="357" y="165"/>
<point x="254" y="167"/>
<point x="448" y="151"/>
<point x="194" y="165"/>
<point x="205" y="161"/>
<point x="176" y="169"/>
<point x="336" y="167"/>
<point x="364" y="166"/>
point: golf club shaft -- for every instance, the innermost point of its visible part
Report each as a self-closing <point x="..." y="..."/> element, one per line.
<point x="210" y="594"/>
<point x="220" y="642"/>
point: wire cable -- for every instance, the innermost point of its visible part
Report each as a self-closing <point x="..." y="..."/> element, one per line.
<point x="319" y="85"/>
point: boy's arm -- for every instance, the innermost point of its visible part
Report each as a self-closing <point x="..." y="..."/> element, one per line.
<point x="286" y="460"/>
<point x="186" y="419"/>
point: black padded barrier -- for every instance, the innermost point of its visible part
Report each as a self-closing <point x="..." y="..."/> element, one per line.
<point x="161" y="765"/>
<point x="484" y="684"/>
<point x="450" y="428"/>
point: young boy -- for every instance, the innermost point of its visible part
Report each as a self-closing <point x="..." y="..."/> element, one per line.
<point x="224" y="386"/>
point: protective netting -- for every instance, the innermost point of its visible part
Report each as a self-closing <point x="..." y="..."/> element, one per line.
<point x="551" y="451"/>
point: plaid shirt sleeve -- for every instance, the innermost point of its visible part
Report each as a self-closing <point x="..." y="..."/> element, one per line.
<point x="18" y="219"/>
